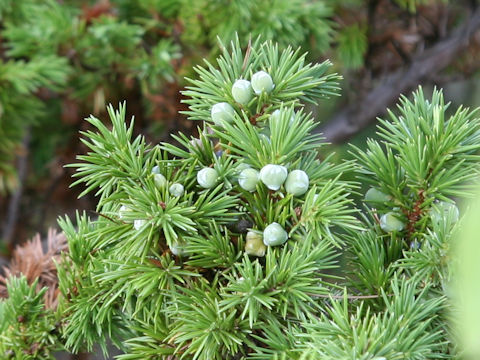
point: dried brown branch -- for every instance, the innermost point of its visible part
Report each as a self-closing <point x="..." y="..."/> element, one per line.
<point x="424" y="66"/>
<point x="32" y="261"/>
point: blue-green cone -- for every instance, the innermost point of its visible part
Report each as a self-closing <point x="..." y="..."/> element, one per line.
<point x="275" y="116"/>
<point x="442" y="209"/>
<point x="138" y="224"/>
<point x="262" y="81"/>
<point x="178" y="249"/>
<point x="123" y="211"/>
<point x="197" y="143"/>
<point x="207" y="177"/>
<point x="176" y="189"/>
<point x="222" y="112"/>
<point x="273" y="176"/>
<point x="297" y="182"/>
<point x="160" y="180"/>
<point x="242" y="91"/>
<point x="274" y="234"/>
<point x="375" y="195"/>
<point x="390" y="222"/>
<point x="248" y="179"/>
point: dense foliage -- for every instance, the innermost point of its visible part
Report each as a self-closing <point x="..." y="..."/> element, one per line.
<point x="228" y="246"/>
<point x="74" y="56"/>
<point x="60" y="59"/>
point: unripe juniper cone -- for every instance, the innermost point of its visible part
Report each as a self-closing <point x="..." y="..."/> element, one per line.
<point x="176" y="189"/>
<point x="222" y="112"/>
<point x="273" y="176"/>
<point x="178" y="249"/>
<point x="137" y="224"/>
<point x="248" y="179"/>
<point x="254" y="244"/>
<point x="262" y="82"/>
<point x="274" y="234"/>
<point x="207" y="177"/>
<point x="275" y="116"/>
<point x="297" y="182"/>
<point x="375" y="195"/>
<point x="242" y="91"/>
<point x="242" y="166"/>
<point x="160" y="180"/>
<point x="442" y="209"/>
<point x="122" y="212"/>
<point x="197" y="143"/>
<point x="389" y="222"/>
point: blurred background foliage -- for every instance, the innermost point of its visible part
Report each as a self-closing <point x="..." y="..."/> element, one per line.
<point x="465" y="286"/>
<point x="62" y="60"/>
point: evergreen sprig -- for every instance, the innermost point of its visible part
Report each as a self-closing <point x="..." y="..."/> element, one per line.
<point x="27" y="330"/>
<point x="153" y="251"/>
<point x="185" y="259"/>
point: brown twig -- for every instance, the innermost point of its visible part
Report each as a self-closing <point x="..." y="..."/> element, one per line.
<point x="247" y="54"/>
<point x="359" y="115"/>
<point x="415" y="214"/>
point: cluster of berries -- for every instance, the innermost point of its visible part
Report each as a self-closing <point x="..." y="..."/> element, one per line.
<point x="273" y="176"/>
<point x="242" y="92"/>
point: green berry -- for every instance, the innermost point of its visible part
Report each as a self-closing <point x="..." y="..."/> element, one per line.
<point x="241" y="166"/>
<point x="222" y="112"/>
<point x="242" y="91"/>
<point x="265" y="133"/>
<point x="138" y="224"/>
<point x="263" y="136"/>
<point x="374" y="195"/>
<point x="442" y="209"/>
<point x="273" y="176"/>
<point x="415" y="245"/>
<point x="297" y="182"/>
<point x="160" y="180"/>
<point x="197" y="144"/>
<point x="124" y="210"/>
<point x="207" y="177"/>
<point x="248" y="179"/>
<point x="176" y="189"/>
<point x="262" y="81"/>
<point x="178" y="249"/>
<point x="254" y="245"/>
<point x="274" y="235"/>
<point x="390" y="222"/>
<point x="275" y="116"/>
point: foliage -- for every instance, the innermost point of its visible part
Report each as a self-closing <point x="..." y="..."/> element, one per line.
<point x="464" y="284"/>
<point x="70" y="54"/>
<point x="352" y="45"/>
<point x="165" y="271"/>
<point x="27" y="330"/>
